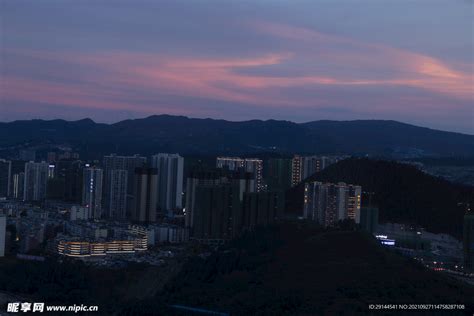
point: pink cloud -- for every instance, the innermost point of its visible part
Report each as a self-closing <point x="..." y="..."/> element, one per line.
<point x="405" y="68"/>
<point x="120" y="80"/>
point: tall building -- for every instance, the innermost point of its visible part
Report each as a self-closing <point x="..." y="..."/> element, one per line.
<point x="146" y="195"/>
<point x="18" y="186"/>
<point x="369" y="219"/>
<point x="353" y="195"/>
<point x="327" y="203"/>
<point x="69" y="173"/>
<point x="36" y="178"/>
<point x="217" y="212"/>
<point x="17" y="167"/>
<point x="252" y="165"/>
<point x="196" y="178"/>
<point x="127" y="163"/>
<point x="468" y="242"/>
<point x="170" y="180"/>
<point x="92" y="191"/>
<point x="243" y="182"/>
<point x="5" y="178"/>
<point x="3" y="232"/>
<point x="261" y="208"/>
<point x="304" y="167"/>
<point x="296" y="170"/>
<point x="118" y="194"/>
<point x="278" y="174"/>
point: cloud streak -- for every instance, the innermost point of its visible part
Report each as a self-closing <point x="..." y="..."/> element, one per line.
<point x="304" y="70"/>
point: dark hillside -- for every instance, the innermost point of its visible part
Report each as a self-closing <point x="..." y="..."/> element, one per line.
<point x="402" y="193"/>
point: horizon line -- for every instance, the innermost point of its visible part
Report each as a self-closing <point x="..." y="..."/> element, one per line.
<point x="227" y="120"/>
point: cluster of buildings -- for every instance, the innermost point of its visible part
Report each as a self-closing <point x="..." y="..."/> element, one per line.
<point x="129" y="204"/>
<point x="209" y="205"/>
<point x="328" y="203"/>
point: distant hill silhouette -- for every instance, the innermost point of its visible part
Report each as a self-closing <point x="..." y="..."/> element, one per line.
<point x="211" y="137"/>
<point x="402" y="193"/>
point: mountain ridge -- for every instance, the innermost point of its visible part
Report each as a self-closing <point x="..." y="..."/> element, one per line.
<point x="208" y="136"/>
<point x="157" y="116"/>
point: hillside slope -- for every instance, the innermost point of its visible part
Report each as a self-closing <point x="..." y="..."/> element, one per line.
<point x="298" y="269"/>
<point x="402" y="193"/>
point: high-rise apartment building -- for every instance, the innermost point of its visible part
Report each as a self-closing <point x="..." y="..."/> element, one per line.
<point x="36" y="178"/>
<point x="217" y="211"/>
<point x="127" y="163"/>
<point x="118" y="194"/>
<point x="296" y="170"/>
<point x="3" y="232"/>
<point x="70" y="173"/>
<point x="468" y="242"/>
<point x="243" y="182"/>
<point x="170" y="180"/>
<point x="5" y="178"/>
<point x="18" y="186"/>
<point x="261" y="208"/>
<point x="17" y="172"/>
<point x="304" y="167"/>
<point x="92" y="191"/>
<point x="327" y="203"/>
<point x="146" y="195"/>
<point x="369" y="219"/>
<point x="278" y="174"/>
<point x="252" y="165"/>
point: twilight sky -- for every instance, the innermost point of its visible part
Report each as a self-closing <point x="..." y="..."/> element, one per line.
<point x="406" y="60"/>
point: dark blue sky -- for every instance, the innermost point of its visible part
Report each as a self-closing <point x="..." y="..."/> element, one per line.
<point x="410" y="61"/>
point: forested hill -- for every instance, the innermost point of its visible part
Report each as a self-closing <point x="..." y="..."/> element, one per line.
<point x="403" y="193"/>
<point x="190" y="136"/>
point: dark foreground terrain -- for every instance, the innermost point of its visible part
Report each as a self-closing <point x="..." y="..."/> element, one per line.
<point x="293" y="268"/>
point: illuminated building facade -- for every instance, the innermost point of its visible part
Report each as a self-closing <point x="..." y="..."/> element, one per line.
<point x="304" y="167"/>
<point x="135" y="239"/>
<point x="327" y="203"/>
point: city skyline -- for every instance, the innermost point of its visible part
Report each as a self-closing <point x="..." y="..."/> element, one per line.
<point x="301" y="62"/>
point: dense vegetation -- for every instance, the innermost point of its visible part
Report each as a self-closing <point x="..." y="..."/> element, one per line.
<point x="295" y="269"/>
<point x="402" y="193"/>
<point x="72" y="282"/>
<point x="292" y="268"/>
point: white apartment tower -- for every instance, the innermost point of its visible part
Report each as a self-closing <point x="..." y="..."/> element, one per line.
<point x="92" y="191"/>
<point x="170" y="180"/>
<point x="36" y="178"/>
